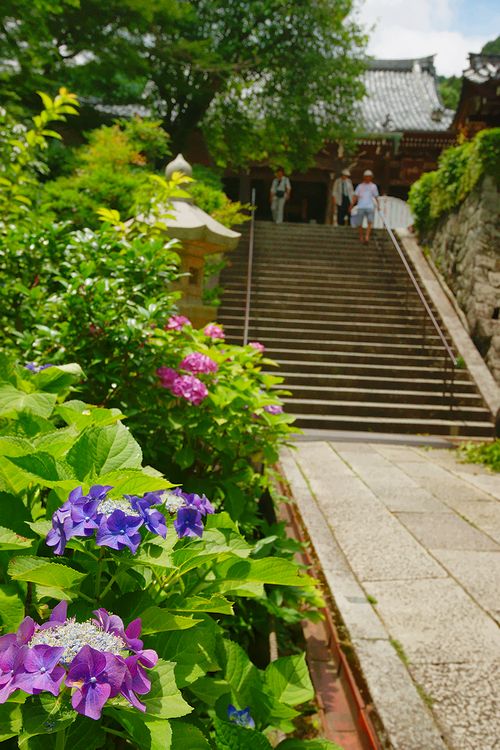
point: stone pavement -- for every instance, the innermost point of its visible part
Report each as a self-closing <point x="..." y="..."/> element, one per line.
<point x="409" y="542"/>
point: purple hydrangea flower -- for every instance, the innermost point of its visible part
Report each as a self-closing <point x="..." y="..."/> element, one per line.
<point x="96" y="676"/>
<point x="116" y="522"/>
<point x="33" y="367"/>
<point x="177" y="323"/>
<point x="214" y="331"/>
<point x="191" y="388"/>
<point x="40" y="671"/>
<point x="200" y="503"/>
<point x="101" y="656"/>
<point x="273" y="409"/>
<point x="242" y="718"/>
<point x="167" y="376"/>
<point x="195" y="362"/>
<point x="257" y="346"/>
<point x="189" y="522"/>
<point x="119" y="530"/>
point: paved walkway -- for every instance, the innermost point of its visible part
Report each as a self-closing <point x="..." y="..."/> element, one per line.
<point x="409" y="541"/>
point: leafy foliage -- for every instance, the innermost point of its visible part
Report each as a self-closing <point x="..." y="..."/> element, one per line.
<point x="265" y="80"/>
<point x="483" y="453"/>
<point x="460" y="169"/>
<point x="449" y="90"/>
<point x="492" y="47"/>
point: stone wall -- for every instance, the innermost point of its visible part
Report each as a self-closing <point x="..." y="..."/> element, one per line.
<point x="466" y="249"/>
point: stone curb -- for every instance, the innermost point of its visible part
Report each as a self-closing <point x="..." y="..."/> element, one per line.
<point x="407" y="721"/>
<point x="461" y="339"/>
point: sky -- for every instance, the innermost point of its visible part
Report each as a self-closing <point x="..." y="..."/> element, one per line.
<point x="450" y="29"/>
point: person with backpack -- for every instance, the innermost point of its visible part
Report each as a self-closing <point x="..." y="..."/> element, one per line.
<point x="279" y="194"/>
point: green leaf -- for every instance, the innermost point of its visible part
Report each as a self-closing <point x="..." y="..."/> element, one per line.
<point x="147" y="732"/>
<point x="157" y="620"/>
<point x="232" y="737"/>
<point x="40" y="570"/>
<point x="11" y="607"/>
<point x="103" y="449"/>
<point x="85" y="734"/>
<point x="10" y="721"/>
<point x="134" y="481"/>
<point x="58" y="377"/>
<point x="288" y="680"/>
<point x="46" y="714"/>
<point x="186" y="735"/>
<point x="43" y="468"/>
<point x="193" y="651"/>
<point x="9" y="540"/>
<point x="165" y="699"/>
<point x="216" y="604"/>
<point x="82" y="415"/>
<point x="13" y="401"/>
<point x="317" y="744"/>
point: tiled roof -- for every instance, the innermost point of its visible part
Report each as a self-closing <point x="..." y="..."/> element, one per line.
<point x="402" y="96"/>
<point x="483" y="68"/>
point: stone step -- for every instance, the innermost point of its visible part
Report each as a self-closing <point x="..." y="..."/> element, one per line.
<point x="463" y="387"/>
<point x="264" y="296"/>
<point x="373" y="368"/>
<point x="387" y="408"/>
<point x="402" y="425"/>
<point x="339" y="357"/>
<point x="376" y="395"/>
<point x="359" y="346"/>
<point x="329" y="333"/>
<point x="318" y="318"/>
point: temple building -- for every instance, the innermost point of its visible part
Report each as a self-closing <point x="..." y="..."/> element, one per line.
<point x="404" y="128"/>
<point x="479" y="104"/>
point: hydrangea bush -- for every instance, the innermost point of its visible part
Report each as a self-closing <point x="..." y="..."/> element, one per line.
<point x="94" y="539"/>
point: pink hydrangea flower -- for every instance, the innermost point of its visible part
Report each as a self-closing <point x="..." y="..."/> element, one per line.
<point x="191" y="388"/>
<point x="167" y="376"/>
<point x="196" y="363"/>
<point x="177" y="323"/>
<point x="214" y="331"/>
<point x="257" y="346"/>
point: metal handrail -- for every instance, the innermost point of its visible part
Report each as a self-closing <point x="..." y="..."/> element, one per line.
<point x="415" y="283"/>
<point x="249" y="272"/>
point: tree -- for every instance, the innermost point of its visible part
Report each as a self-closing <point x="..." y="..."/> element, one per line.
<point x="492" y="48"/>
<point x="449" y="90"/>
<point x="264" y="79"/>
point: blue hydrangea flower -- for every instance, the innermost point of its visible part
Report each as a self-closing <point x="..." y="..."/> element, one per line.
<point x="189" y="520"/>
<point x="242" y="718"/>
<point x="33" y="367"/>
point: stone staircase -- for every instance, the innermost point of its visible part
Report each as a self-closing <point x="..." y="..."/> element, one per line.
<point x="347" y="332"/>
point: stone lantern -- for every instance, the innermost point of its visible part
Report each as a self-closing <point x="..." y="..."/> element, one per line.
<point x="200" y="235"/>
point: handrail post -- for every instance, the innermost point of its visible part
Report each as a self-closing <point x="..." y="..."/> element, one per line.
<point x="249" y="272"/>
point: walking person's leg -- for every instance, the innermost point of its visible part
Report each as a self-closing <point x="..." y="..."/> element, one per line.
<point x="369" y="217"/>
<point x="274" y="209"/>
<point x="280" y="210"/>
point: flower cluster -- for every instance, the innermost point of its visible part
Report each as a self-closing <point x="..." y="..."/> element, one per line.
<point x="177" y="323"/>
<point x="214" y="331"/>
<point x="273" y="409"/>
<point x="188" y="386"/>
<point x="257" y="346"/>
<point x="33" y="367"/>
<point x="191" y="510"/>
<point x="97" y="659"/>
<point x="115" y="522"/>
<point x="242" y="718"/>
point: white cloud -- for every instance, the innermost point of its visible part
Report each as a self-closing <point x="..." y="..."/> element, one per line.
<point x="424" y="27"/>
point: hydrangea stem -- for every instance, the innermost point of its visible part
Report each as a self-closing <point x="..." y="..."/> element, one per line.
<point x="61" y="740"/>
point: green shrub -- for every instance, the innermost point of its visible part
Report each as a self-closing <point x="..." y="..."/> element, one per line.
<point x="483" y="453"/>
<point x="460" y="169"/>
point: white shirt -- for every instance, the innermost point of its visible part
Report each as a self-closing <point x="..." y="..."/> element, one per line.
<point x="366" y="192"/>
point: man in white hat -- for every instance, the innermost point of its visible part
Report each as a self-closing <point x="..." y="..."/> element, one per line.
<point x="365" y="198"/>
<point x="342" y="195"/>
